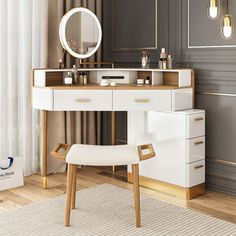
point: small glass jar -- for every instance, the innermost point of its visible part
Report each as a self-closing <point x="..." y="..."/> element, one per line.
<point x="68" y="79"/>
<point x="81" y="79"/>
<point x="148" y="80"/>
<point x="140" y="81"/>
<point x="85" y="79"/>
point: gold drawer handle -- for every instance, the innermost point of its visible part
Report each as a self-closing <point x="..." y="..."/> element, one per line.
<point x="82" y="100"/>
<point x="198" y="167"/>
<point x="142" y="100"/>
<point x="198" y="119"/>
<point x="198" y="143"/>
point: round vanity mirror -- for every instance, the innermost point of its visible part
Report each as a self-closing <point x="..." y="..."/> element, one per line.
<point x="80" y="32"/>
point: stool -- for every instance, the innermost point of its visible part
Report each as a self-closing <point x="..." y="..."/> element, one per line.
<point x="95" y="155"/>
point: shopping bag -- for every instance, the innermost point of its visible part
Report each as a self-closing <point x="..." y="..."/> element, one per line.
<point x="11" y="173"/>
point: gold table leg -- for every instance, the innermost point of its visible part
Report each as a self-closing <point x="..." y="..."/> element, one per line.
<point x="44" y="149"/>
<point x="45" y="182"/>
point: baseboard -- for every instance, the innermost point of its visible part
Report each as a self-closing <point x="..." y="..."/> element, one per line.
<point x="170" y="189"/>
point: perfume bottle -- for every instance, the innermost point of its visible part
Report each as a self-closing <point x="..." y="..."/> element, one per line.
<point x="75" y="74"/>
<point x="163" y="59"/>
<point x="169" y="62"/>
<point x="145" y="59"/>
<point x="68" y="79"/>
<point x="85" y="79"/>
<point x="81" y="78"/>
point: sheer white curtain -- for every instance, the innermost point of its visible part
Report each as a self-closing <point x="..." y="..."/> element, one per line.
<point x="23" y="46"/>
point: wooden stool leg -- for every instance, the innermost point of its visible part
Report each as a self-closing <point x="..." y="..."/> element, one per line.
<point x="73" y="197"/>
<point x="68" y="193"/>
<point x="135" y="171"/>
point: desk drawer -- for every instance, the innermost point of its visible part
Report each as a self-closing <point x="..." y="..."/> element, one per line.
<point x="195" y="149"/>
<point x="82" y="100"/>
<point x="195" y="173"/>
<point x="142" y="100"/>
<point x="195" y="125"/>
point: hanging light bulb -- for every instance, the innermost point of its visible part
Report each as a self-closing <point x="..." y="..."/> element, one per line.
<point x="226" y="24"/>
<point x="213" y="9"/>
<point x="227" y="28"/>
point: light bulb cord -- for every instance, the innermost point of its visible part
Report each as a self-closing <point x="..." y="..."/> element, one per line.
<point x="227" y="7"/>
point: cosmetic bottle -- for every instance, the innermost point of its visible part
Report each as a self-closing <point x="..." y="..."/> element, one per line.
<point x="163" y="54"/>
<point x="75" y="74"/>
<point x="145" y="60"/>
<point x="163" y="59"/>
<point x="68" y="79"/>
<point x="164" y="64"/>
<point x="169" y="62"/>
<point x="81" y="79"/>
<point x="85" y="79"/>
<point x="148" y="80"/>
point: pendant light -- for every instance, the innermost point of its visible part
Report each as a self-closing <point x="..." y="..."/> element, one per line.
<point x="213" y="9"/>
<point x="226" y="24"/>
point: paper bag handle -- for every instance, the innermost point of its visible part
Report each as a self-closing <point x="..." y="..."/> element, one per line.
<point x="10" y="164"/>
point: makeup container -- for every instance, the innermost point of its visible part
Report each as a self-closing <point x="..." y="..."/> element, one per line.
<point x="145" y="60"/>
<point x="85" y="79"/>
<point x="148" y="80"/>
<point x="169" y="62"/>
<point x="163" y="59"/>
<point x="68" y="79"/>
<point x="74" y="74"/>
<point x="81" y="79"/>
<point x="140" y="81"/>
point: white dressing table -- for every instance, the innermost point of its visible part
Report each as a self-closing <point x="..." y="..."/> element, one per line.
<point x="160" y="113"/>
<point x="161" y="103"/>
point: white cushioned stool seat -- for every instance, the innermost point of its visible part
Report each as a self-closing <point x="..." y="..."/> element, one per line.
<point x="97" y="155"/>
<point x="80" y="154"/>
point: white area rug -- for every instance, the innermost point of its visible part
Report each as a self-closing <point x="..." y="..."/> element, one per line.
<point x="108" y="210"/>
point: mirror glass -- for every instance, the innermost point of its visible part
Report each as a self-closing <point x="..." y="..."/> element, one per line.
<point x="80" y="32"/>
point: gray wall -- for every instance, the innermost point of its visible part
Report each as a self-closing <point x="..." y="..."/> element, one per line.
<point x="215" y="88"/>
<point x="215" y="80"/>
<point x="132" y="57"/>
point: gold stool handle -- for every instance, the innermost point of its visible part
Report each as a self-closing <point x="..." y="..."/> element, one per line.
<point x="149" y="155"/>
<point x="56" y="152"/>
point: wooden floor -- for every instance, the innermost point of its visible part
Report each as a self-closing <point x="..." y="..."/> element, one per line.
<point x="215" y="204"/>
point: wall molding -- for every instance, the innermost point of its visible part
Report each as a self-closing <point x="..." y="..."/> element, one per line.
<point x="217" y="94"/>
<point x="184" y="54"/>
<point x="204" y="46"/>
<point x="134" y="56"/>
<point x="154" y="47"/>
<point x="221" y="176"/>
<point x="222" y="162"/>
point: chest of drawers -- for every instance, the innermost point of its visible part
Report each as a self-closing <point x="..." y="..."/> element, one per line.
<point x="179" y="141"/>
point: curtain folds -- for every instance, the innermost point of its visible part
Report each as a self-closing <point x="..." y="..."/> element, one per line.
<point x="70" y="127"/>
<point x="29" y="39"/>
<point x="23" y="46"/>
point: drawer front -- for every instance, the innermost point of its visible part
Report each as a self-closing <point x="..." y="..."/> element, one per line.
<point x="195" y="125"/>
<point x="182" y="99"/>
<point x="195" y="149"/>
<point x="42" y="99"/>
<point x="195" y="173"/>
<point x="82" y="100"/>
<point x="142" y="100"/>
